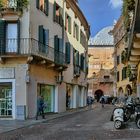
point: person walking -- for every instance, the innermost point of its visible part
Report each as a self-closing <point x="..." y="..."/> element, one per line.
<point x="40" y="107"/>
<point x="102" y="101"/>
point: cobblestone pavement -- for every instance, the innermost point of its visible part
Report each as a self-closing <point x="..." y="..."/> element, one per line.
<point x="93" y="124"/>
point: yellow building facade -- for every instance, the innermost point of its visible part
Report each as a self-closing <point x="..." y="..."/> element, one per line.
<point x="123" y="84"/>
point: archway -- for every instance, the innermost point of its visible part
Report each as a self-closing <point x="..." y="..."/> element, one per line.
<point x="98" y="94"/>
<point x="128" y="90"/>
<point x="120" y="91"/>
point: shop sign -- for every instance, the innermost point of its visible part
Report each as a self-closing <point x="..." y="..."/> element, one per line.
<point x="6" y="73"/>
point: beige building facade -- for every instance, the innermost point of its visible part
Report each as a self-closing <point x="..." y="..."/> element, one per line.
<point x="122" y="67"/>
<point x="101" y="62"/>
<point x="43" y="51"/>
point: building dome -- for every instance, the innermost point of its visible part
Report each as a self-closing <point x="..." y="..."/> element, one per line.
<point x="103" y="37"/>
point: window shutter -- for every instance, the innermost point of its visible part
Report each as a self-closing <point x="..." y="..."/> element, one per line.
<point x="60" y="45"/>
<point x="2" y="36"/>
<point x="65" y="20"/>
<point x="41" y="33"/>
<point x="61" y="18"/>
<point x="69" y="25"/>
<point x="54" y="11"/>
<point x="82" y="61"/>
<point x="77" y="32"/>
<point x="77" y="58"/>
<point x="74" y="29"/>
<point x="46" y="7"/>
<point x="68" y="52"/>
<point x="46" y="40"/>
<point x="37" y="4"/>
<point x="56" y="43"/>
<point x="74" y="57"/>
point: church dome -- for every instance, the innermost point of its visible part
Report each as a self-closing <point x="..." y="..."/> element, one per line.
<point x="103" y="37"/>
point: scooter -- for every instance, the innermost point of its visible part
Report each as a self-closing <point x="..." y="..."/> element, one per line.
<point x="123" y="114"/>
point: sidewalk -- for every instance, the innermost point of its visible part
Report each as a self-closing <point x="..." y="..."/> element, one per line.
<point x="9" y="125"/>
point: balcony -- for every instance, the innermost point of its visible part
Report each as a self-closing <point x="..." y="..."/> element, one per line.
<point x="77" y="71"/>
<point x="12" y="6"/>
<point x="25" y="47"/>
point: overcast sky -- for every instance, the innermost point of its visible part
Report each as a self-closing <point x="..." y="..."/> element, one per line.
<point x="100" y="13"/>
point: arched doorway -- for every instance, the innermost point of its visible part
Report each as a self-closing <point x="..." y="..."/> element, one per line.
<point x="120" y="91"/>
<point x="128" y="90"/>
<point x="98" y="94"/>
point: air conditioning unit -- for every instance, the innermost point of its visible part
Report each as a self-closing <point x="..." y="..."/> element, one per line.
<point x="59" y="79"/>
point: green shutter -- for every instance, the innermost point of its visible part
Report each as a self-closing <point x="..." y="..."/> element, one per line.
<point x="41" y="34"/>
<point x="74" y="56"/>
<point x="37" y="4"/>
<point x="60" y="45"/>
<point x="41" y="38"/>
<point x="65" y="20"/>
<point x="77" y="32"/>
<point x="46" y="5"/>
<point x="54" y="11"/>
<point x="61" y="16"/>
<point x="46" y="39"/>
<point x="82" y="61"/>
<point x="77" y="58"/>
<point x="2" y="36"/>
<point x="56" y="43"/>
<point x="68" y="52"/>
<point x="69" y="24"/>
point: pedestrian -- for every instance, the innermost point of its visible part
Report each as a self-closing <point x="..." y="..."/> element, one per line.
<point x="40" y="107"/>
<point x="102" y="101"/>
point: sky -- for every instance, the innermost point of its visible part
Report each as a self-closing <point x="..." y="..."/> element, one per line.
<point x="100" y="13"/>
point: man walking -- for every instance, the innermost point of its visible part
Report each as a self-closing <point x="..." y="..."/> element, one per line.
<point x="40" y="107"/>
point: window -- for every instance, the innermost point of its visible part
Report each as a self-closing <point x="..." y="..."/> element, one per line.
<point x="9" y="36"/>
<point x="58" y="14"/>
<point x="76" y="31"/>
<point x="82" y="38"/>
<point x="68" y="23"/>
<point x="43" y="39"/>
<point x="43" y="5"/>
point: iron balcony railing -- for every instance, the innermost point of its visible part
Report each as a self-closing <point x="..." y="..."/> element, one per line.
<point x="105" y="80"/>
<point x="29" y="46"/>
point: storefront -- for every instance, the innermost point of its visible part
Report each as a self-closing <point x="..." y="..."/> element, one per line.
<point x="47" y="91"/>
<point x="7" y="98"/>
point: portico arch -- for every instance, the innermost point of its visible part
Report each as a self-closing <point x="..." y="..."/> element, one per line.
<point x="98" y="94"/>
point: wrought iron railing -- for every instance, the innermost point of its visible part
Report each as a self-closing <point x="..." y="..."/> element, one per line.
<point x="29" y="46"/>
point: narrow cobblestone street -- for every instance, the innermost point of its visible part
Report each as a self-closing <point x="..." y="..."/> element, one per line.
<point x="93" y="124"/>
